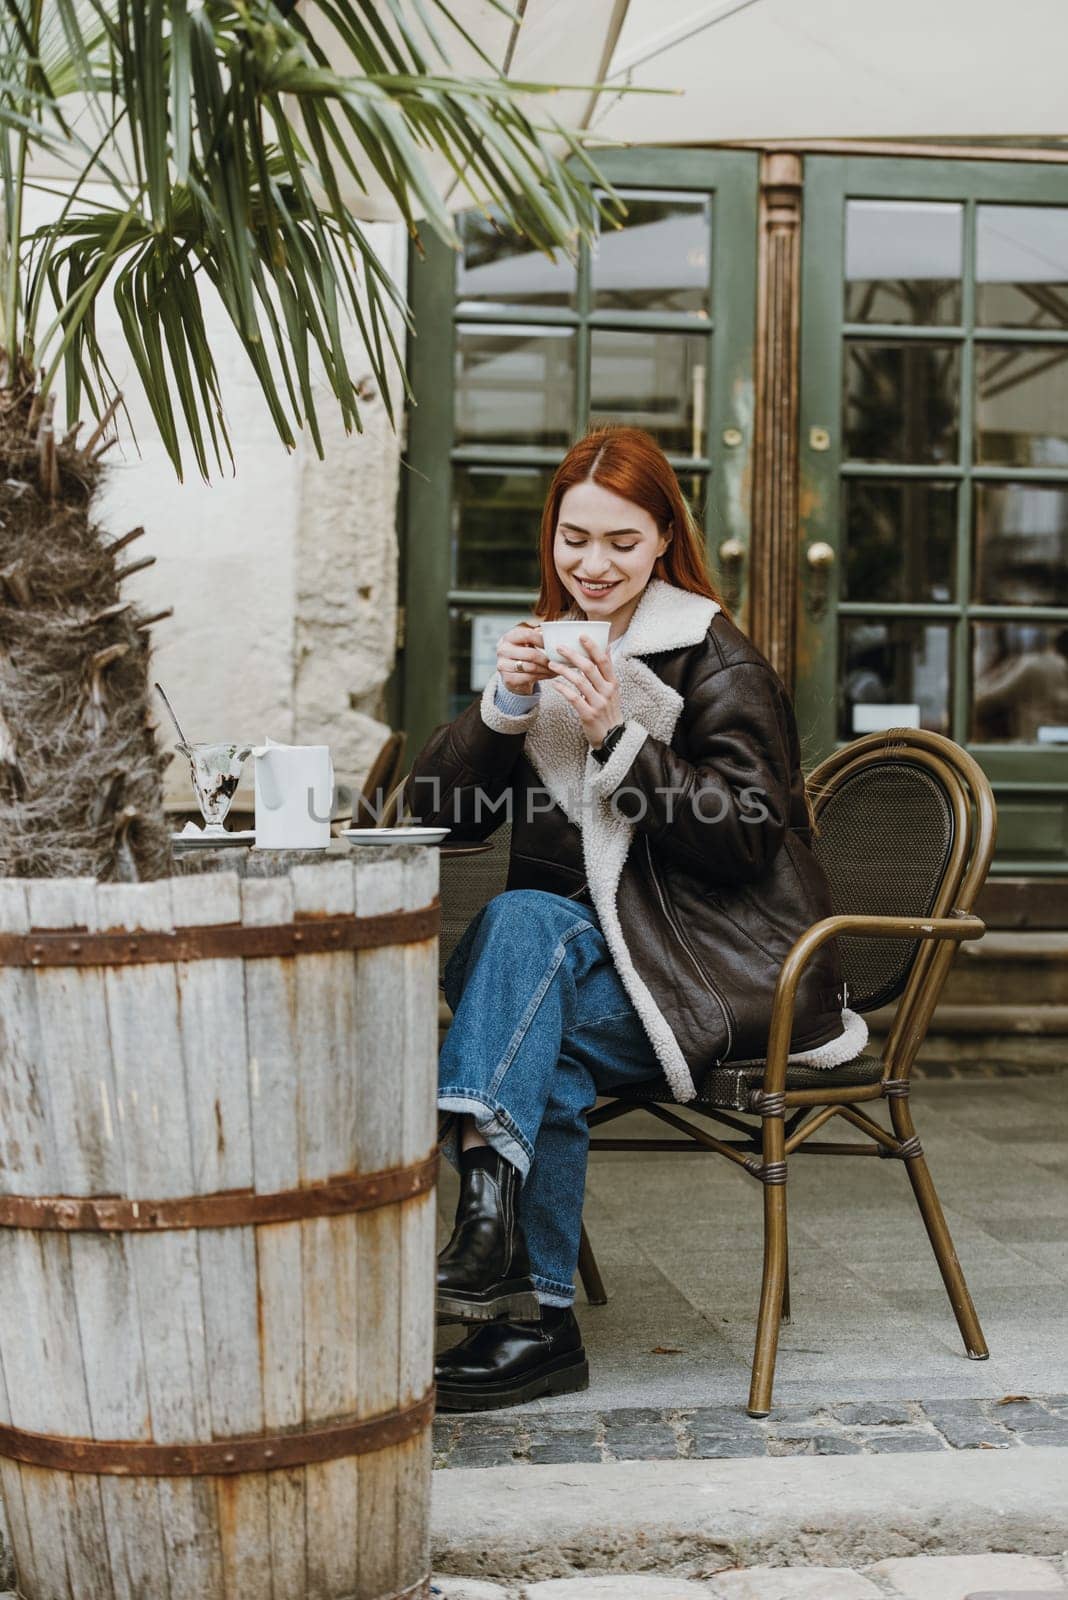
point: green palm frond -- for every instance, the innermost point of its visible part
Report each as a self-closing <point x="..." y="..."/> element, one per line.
<point x="229" y="140"/>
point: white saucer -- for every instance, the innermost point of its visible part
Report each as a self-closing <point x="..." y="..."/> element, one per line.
<point x="394" y="835"/>
<point x="214" y="841"/>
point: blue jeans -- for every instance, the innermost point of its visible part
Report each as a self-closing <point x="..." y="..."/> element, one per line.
<point x="541" y="1026"/>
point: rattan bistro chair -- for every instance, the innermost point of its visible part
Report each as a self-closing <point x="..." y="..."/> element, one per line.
<point x="906" y="831"/>
<point x="370" y="805"/>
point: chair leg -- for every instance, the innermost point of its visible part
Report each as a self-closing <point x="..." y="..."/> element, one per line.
<point x="590" y="1273"/>
<point x="938" y="1233"/>
<point x="772" y="1301"/>
<point x="785" y="1317"/>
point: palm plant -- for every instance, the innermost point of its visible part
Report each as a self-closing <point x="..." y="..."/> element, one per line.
<point x="202" y="147"/>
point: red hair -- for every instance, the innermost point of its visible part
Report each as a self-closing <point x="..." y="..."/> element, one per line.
<point x="630" y="463"/>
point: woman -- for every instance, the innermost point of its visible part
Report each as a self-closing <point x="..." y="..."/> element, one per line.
<point x="660" y="870"/>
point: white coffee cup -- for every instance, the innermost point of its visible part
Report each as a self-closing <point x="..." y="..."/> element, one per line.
<point x="554" y="634"/>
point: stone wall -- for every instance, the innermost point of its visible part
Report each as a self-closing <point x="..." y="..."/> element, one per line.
<point x="345" y="571"/>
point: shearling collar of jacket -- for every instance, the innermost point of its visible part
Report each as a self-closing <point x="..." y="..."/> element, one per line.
<point x="666" y="618"/>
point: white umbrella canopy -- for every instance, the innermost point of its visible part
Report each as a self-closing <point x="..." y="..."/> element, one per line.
<point x="762" y="70"/>
<point x="838" y="69"/>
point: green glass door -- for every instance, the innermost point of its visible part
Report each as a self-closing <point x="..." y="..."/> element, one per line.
<point x="516" y="354"/>
<point x="934" y="459"/>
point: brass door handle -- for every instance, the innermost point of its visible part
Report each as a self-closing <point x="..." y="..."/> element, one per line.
<point x="731" y="563"/>
<point x="821" y="558"/>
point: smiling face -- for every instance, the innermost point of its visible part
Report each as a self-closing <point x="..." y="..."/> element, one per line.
<point x="604" y="550"/>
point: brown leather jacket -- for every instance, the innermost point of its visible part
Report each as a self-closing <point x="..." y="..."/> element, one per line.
<point x="692" y="842"/>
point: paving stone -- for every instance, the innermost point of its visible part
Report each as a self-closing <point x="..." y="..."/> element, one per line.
<point x="975" y="1435"/>
<point x="885" y="1444"/>
<point x="1033" y="1423"/>
<point x="798" y="1416"/>
<point x="835" y="1444"/>
<point x="638" y="1587"/>
<point x="485" y="1450"/>
<point x="1056" y="1435"/>
<point x="1024" y="1416"/>
<point x="803" y="1428"/>
<point x="872" y="1413"/>
<point x="794" y="1583"/>
<point x="554" y="1446"/>
<point x="711" y="1446"/>
<point x="727" y="1419"/>
<point x="656" y="1442"/>
<point x="640" y="1435"/>
<point x="958" y="1406"/>
<point x="966" y="1425"/>
<point x="633" y="1417"/>
<point x="721" y="1431"/>
<point x="790" y="1447"/>
<point x="961" y="1577"/>
<point x="815" y="1444"/>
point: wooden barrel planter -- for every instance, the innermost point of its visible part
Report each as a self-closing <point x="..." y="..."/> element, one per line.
<point x="217" y="1159"/>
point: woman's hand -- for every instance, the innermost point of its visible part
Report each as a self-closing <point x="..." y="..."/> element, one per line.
<point x="590" y="686"/>
<point x="521" y="661"/>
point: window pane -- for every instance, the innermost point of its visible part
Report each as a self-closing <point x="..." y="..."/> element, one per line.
<point x="496" y="517"/>
<point x="514" y="385"/>
<point x="899" y="665"/>
<point x="1020" y="683"/>
<point x="659" y="259"/>
<point x="1021" y="405"/>
<point x="498" y="267"/>
<point x="903" y="262"/>
<point x="1022" y="266"/>
<point x="473" y="636"/>
<point x="1021" y="544"/>
<point x="902" y="401"/>
<point x="653" y="380"/>
<point x="900" y="539"/>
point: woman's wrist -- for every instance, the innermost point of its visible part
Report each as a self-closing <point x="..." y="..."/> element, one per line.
<point x="602" y="751"/>
<point x="513" y="704"/>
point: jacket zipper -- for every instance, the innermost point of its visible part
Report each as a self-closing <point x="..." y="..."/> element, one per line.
<point x="676" y="928"/>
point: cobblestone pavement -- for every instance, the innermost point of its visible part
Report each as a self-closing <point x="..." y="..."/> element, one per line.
<point x="866" y="1427"/>
<point x="978" y="1577"/>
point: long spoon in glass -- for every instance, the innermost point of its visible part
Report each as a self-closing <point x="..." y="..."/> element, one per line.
<point x="182" y="740"/>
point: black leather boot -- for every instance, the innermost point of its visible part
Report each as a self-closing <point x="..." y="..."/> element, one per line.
<point x="510" y="1363"/>
<point x="484" y="1271"/>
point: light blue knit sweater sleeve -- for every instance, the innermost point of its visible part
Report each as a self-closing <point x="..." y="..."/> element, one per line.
<point x="515" y="705"/>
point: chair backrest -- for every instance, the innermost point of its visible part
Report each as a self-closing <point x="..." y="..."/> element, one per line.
<point x="906" y="827"/>
<point x="367" y="806"/>
<point x="467" y="883"/>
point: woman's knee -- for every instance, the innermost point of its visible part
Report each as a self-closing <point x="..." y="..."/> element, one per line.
<point x="524" y="907"/>
<point x="531" y="924"/>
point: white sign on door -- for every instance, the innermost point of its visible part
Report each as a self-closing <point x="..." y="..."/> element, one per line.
<point x="486" y="629"/>
<point x="876" y="718"/>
